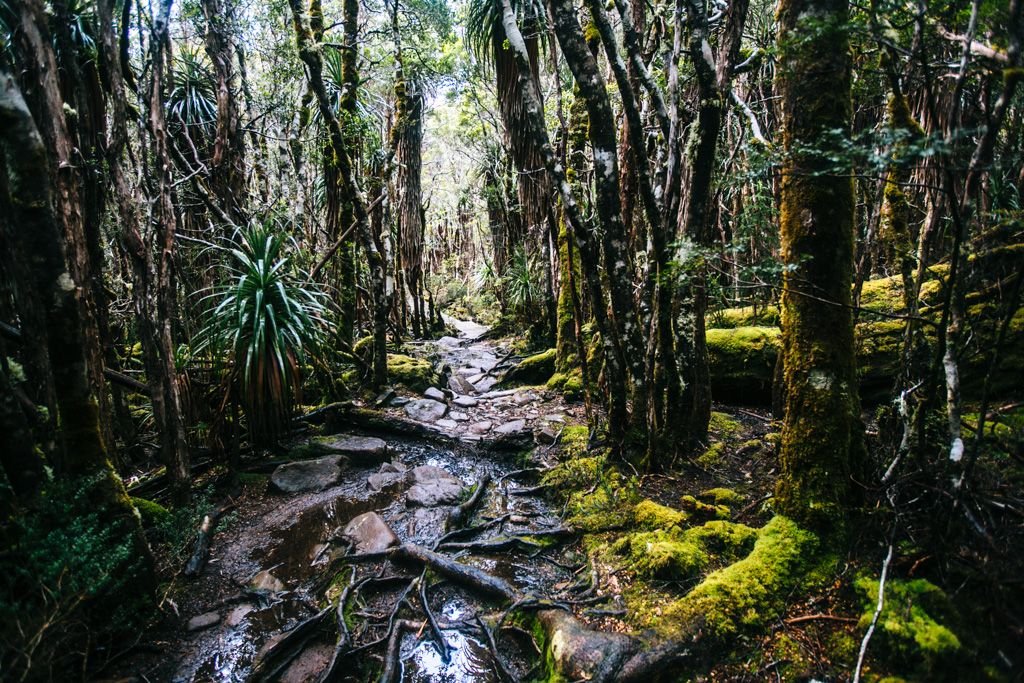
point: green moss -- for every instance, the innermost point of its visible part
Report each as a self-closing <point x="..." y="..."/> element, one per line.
<point x="575" y="473"/>
<point x="570" y="384"/>
<point x="650" y="515"/>
<point x="414" y="373"/>
<point x="724" y="426"/>
<point x="675" y="554"/>
<point x="151" y="513"/>
<point x="534" y="369"/>
<point x="747" y="594"/>
<point x="909" y="636"/>
<point x="747" y="316"/>
<point x="742" y="362"/>
<point x="607" y="505"/>
<point x="704" y="510"/>
<point x="723" y="496"/>
<point x="574" y="440"/>
<point x="363" y="346"/>
<point x="712" y="457"/>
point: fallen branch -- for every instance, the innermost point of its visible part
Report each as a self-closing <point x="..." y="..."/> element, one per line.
<point x="470" y="576"/>
<point x="874" y="617"/>
<point x="201" y="549"/>
<point x="816" y="617"/>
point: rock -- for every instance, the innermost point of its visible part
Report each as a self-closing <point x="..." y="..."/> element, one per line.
<point x="435" y="393"/>
<point x="458" y="416"/>
<point x="450" y="342"/>
<point x="364" y="450"/>
<point x="473" y="379"/>
<point x="390" y="474"/>
<point x="546" y="435"/>
<point x="433" y="486"/>
<point x="400" y="401"/>
<point x="534" y="369"/>
<point x="447" y="424"/>
<point x="465" y="401"/>
<point x="555" y="417"/>
<point x="203" y="621"/>
<point x="369" y="533"/>
<point x="384" y="398"/>
<point x="265" y="581"/>
<point x="460" y="385"/>
<point x="523" y="397"/>
<point x="239" y="613"/>
<point x="467" y="372"/>
<point x="308" y="475"/>
<point x="425" y="410"/>
<point x="485" y="384"/>
<point x="511" y="427"/>
<point x="309" y="663"/>
<point x="481" y="427"/>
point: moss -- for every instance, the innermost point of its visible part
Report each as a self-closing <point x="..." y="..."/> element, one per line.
<point x="534" y="369"/>
<point x="650" y="515"/>
<point x="909" y="637"/>
<point x="570" y="384"/>
<point x="676" y="554"/>
<point x="747" y="316"/>
<point x="704" y="510"/>
<point x="712" y="456"/>
<point x="610" y="504"/>
<point x="742" y="362"/>
<point x="363" y="347"/>
<point x="575" y="473"/>
<point x="723" y="425"/>
<point x="747" y="594"/>
<point x="414" y="373"/>
<point x="152" y="514"/>
<point x="723" y="496"/>
<point x="574" y="440"/>
<point x="253" y="478"/>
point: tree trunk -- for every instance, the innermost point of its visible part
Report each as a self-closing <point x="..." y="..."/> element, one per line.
<point x="821" y="440"/>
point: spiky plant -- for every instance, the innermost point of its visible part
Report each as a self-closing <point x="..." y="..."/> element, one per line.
<point x="193" y="100"/>
<point x="265" y="321"/>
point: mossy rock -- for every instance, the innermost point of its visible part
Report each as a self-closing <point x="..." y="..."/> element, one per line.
<point x="574" y="441"/>
<point x="677" y="554"/>
<point x="575" y="473"/>
<point x="414" y="373"/>
<point x="909" y="636"/>
<point x="151" y="513"/>
<point x="723" y="425"/>
<point x="746" y="595"/>
<point x="742" y="362"/>
<point x="535" y="369"/>
<point x="704" y="510"/>
<point x="569" y="383"/>
<point x="650" y="515"/>
<point x="712" y="455"/>
<point x="722" y="496"/>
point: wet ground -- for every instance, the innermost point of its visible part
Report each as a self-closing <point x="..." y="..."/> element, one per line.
<point x="272" y="567"/>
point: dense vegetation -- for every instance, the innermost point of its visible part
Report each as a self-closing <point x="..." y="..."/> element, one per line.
<point x="215" y="216"/>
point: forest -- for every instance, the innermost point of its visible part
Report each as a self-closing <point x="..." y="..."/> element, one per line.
<point x="511" y="340"/>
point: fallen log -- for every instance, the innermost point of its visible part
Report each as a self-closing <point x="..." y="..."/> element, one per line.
<point x="201" y="548"/>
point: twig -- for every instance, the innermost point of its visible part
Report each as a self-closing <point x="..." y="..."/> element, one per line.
<point x="874" y="617"/>
<point x="815" y="617"/>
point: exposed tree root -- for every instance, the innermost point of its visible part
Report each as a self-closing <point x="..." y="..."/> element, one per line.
<point x="459" y="515"/>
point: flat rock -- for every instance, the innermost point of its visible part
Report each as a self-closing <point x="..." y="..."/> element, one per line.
<point x="239" y="613"/>
<point x="390" y="474"/>
<point x="465" y="401"/>
<point x="308" y="665"/>
<point x="473" y="379"/>
<point x="369" y="533"/>
<point x="467" y="372"/>
<point x="511" y="427"/>
<point x="546" y="435"/>
<point x="458" y="416"/>
<point x="447" y="424"/>
<point x="433" y="486"/>
<point x="481" y="427"/>
<point x="435" y="393"/>
<point x="555" y="417"/>
<point x="202" y="621"/>
<point x="384" y="397"/>
<point x="425" y="410"/>
<point x="450" y="342"/>
<point x="524" y="397"/>
<point x="399" y="401"/>
<point x="265" y="581"/>
<point x="460" y="385"/>
<point x="361" y="449"/>
<point x="485" y="384"/>
<point x="308" y="475"/>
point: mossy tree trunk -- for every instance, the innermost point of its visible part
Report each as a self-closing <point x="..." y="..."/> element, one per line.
<point x="821" y="439"/>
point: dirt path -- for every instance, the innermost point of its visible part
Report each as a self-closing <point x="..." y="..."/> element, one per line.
<point x="267" y="567"/>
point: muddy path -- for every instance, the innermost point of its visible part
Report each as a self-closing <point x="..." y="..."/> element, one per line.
<point x="283" y="557"/>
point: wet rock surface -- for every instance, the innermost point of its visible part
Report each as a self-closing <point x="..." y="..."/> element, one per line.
<point x="369" y="533"/>
<point x="425" y="410"/>
<point x="308" y="475"/>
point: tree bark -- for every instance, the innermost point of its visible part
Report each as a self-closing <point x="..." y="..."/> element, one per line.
<point x="820" y="437"/>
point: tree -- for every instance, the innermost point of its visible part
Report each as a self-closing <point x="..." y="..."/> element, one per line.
<point x="821" y="437"/>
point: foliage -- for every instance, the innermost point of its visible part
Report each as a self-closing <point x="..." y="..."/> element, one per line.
<point x="192" y="102"/>
<point x="267" y="320"/>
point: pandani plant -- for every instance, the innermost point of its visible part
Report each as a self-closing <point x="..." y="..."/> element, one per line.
<point x="264" y="323"/>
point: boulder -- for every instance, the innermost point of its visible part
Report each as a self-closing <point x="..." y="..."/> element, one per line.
<point x="511" y="427"/>
<point x="458" y="416"/>
<point x="425" y="410"/>
<point x="308" y="475"/>
<point x="369" y="533"/>
<point x="534" y="369"/>
<point x="265" y="581"/>
<point x="447" y="424"/>
<point x="481" y="427"/>
<point x="390" y="474"/>
<point x="433" y="486"/>
<point x="465" y="401"/>
<point x="202" y="621"/>
<point x="485" y="384"/>
<point x="460" y="385"/>
<point x="435" y="394"/>
<point x="363" y="450"/>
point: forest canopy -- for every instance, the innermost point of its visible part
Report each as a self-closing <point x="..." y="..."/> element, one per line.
<point x="729" y="289"/>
